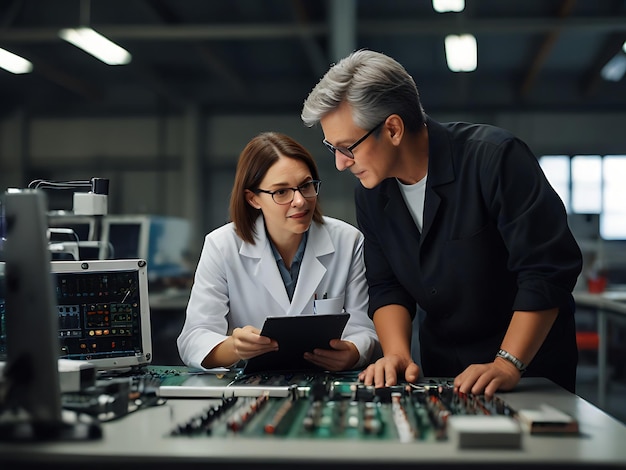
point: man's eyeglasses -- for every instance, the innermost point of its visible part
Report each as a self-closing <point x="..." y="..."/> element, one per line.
<point x="282" y="196"/>
<point x="347" y="151"/>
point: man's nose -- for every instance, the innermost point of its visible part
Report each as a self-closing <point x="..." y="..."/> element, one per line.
<point x="342" y="162"/>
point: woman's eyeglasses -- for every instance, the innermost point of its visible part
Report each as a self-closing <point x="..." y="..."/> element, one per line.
<point x="282" y="196"/>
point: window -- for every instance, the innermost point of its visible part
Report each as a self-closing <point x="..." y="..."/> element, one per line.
<point x="613" y="221"/>
<point x="591" y="184"/>
<point x="557" y="170"/>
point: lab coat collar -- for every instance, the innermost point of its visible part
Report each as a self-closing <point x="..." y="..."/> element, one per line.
<point x="312" y="269"/>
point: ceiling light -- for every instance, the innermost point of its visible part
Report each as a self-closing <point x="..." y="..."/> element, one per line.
<point x="14" y="63"/>
<point x="615" y="68"/>
<point x="461" y="53"/>
<point x="97" y="45"/>
<point x="443" y="6"/>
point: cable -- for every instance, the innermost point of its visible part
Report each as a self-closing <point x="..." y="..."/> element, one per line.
<point x="39" y="183"/>
<point x="96" y="185"/>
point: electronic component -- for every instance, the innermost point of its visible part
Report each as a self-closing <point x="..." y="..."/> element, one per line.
<point x="76" y="375"/>
<point x="103" y="312"/>
<point x="325" y="406"/>
<point x="484" y="431"/>
<point x="547" y="420"/>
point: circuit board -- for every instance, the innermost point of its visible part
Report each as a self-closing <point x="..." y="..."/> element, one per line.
<point x="325" y="407"/>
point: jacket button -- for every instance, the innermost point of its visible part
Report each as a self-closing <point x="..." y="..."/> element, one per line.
<point x="433" y="291"/>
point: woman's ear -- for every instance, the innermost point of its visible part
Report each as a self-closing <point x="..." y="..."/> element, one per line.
<point x="251" y="198"/>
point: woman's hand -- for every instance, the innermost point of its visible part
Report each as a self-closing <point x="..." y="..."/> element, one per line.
<point x="248" y="342"/>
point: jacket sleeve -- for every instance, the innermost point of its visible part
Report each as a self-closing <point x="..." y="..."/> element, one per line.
<point x="360" y="329"/>
<point x="532" y="221"/>
<point x="384" y="286"/>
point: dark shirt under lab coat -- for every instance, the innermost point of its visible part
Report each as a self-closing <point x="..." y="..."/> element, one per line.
<point x="495" y="240"/>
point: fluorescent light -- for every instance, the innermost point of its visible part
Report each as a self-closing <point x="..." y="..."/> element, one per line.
<point x="461" y="53"/>
<point x="14" y="63"/>
<point x="443" y="6"/>
<point x="615" y="68"/>
<point x="97" y="45"/>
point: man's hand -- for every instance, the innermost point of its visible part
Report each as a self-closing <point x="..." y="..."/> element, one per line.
<point x="386" y="370"/>
<point x="343" y="356"/>
<point x="487" y="378"/>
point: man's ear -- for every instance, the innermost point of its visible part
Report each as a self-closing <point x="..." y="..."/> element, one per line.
<point x="251" y="198"/>
<point x="395" y="127"/>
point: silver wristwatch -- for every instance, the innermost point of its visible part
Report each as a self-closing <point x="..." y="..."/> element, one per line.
<point x="519" y="365"/>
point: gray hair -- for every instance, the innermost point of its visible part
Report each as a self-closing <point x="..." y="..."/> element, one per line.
<point x="373" y="84"/>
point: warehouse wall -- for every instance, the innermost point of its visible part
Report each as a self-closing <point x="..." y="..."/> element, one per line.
<point x="183" y="165"/>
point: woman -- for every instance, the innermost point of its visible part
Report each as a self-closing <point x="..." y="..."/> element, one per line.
<point x="277" y="256"/>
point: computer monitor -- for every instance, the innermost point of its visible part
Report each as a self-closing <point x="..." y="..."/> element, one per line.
<point x="162" y="241"/>
<point x="104" y="312"/>
<point x="83" y="226"/>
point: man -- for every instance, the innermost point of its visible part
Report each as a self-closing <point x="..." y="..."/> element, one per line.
<point x="459" y="219"/>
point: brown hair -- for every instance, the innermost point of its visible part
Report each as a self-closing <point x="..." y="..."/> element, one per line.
<point x="254" y="162"/>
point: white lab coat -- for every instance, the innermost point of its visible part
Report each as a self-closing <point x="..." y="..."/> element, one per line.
<point x="238" y="284"/>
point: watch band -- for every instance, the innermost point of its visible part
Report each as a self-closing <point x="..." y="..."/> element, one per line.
<point x="519" y="365"/>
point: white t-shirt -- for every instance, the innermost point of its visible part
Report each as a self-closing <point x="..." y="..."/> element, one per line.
<point x="413" y="195"/>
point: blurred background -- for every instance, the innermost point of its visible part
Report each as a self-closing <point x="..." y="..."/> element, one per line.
<point x="164" y="121"/>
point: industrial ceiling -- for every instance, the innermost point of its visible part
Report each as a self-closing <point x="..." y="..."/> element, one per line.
<point x="260" y="56"/>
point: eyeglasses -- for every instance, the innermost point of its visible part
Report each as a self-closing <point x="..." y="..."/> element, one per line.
<point x="347" y="151"/>
<point x="282" y="196"/>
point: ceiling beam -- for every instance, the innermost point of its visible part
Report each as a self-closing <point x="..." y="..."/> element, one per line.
<point x="236" y="31"/>
<point x="592" y="80"/>
<point x="46" y="69"/>
<point x="10" y="12"/>
<point x="66" y="80"/>
<point x="544" y="49"/>
<point x="208" y="58"/>
<point x="313" y="50"/>
<point x="160" y="11"/>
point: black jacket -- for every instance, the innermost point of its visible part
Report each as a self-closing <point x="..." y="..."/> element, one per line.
<point x="495" y="240"/>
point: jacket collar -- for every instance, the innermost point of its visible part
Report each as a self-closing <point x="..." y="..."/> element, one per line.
<point x="440" y="171"/>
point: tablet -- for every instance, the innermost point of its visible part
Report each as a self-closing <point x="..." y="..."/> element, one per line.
<point x="295" y="335"/>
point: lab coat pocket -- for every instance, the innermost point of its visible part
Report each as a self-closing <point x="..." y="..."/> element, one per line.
<point x="329" y="306"/>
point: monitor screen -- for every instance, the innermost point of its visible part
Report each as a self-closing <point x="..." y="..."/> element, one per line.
<point x="103" y="312"/>
<point x="125" y="239"/>
<point x="160" y="240"/>
<point x="82" y="226"/>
